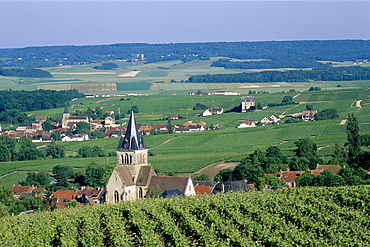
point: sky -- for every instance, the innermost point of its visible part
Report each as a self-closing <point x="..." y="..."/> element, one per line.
<point x="49" y="23"/>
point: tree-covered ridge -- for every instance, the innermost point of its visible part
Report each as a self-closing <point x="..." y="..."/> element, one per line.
<point x="298" y="217"/>
<point x="25" y="72"/>
<point x="35" y="100"/>
<point x="328" y="50"/>
<point x="332" y="74"/>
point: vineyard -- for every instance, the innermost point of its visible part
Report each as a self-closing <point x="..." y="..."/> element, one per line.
<point x="296" y="217"/>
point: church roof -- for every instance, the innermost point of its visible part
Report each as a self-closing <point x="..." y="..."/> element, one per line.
<point x="169" y="183"/>
<point x="132" y="140"/>
<point x="66" y="110"/>
<point x="125" y="175"/>
<point x="145" y="174"/>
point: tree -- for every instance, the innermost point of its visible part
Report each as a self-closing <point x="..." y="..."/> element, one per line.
<point x="47" y="125"/>
<point x="305" y="179"/>
<point x="61" y="174"/>
<point x="97" y="134"/>
<point x="37" y="178"/>
<point x="305" y="148"/>
<point x="82" y="128"/>
<point x="287" y="100"/>
<point x="54" y="150"/>
<point x="271" y="180"/>
<point x="202" y="177"/>
<point x="339" y="155"/>
<point x="353" y="140"/>
<point x="329" y="179"/>
<point x="274" y="155"/>
<point x="5" y="154"/>
<point x="55" y="136"/>
<point x="224" y="175"/>
<point x="324" y="114"/>
<point x="169" y="127"/>
<point x="6" y="196"/>
<point x="94" y="175"/>
<point x="260" y="183"/>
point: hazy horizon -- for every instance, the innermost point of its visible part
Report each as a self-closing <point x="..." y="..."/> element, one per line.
<point x="54" y="23"/>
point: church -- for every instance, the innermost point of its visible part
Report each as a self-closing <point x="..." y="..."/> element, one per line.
<point x="133" y="175"/>
<point x="69" y="121"/>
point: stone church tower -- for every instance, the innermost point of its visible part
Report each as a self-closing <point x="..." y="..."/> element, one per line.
<point x="66" y="115"/>
<point x="131" y="177"/>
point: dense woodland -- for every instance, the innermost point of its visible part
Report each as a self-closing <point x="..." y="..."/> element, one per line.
<point x="294" y="53"/>
<point x="14" y="103"/>
<point x="330" y="74"/>
<point x="25" y="72"/>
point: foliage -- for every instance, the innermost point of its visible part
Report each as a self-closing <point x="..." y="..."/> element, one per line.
<point x="6" y="196"/>
<point x="202" y="177"/>
<point x="91" y="151"/>
<point x="353" y="140"/>
<point x="329" y="74"/>
<point x="233" y="219"/>
<point x="56" y="151"/>
<point x="82" y="128"/>
<point x="25" y="72"/>
<point x="199" y="106"/>
<point x="97" y="134"/>
<point x="94" y="175"/>
<point x="314" y="89"/>
<point x="106" y="66"/>
<point x="38" y="179"/>
<point x="169" y="127"/>
<point x="326" y="114"/>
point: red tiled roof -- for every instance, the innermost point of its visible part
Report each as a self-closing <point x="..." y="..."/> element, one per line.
<point x="288" y="176"/>
<point x="17" y="190"/>
<point x="92" y="192"/>
<point x="65" y="194"/>
<point x="202" y="189"/>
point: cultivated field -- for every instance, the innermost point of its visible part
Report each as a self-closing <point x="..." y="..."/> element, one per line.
<point x="155" y="78"/>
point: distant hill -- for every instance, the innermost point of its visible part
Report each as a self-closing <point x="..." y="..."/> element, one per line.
<point x="298" y="51"/>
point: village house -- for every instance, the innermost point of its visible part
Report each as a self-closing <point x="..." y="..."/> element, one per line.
<point x="247" y="102"/>
<point x="273" y="119"/>
<point x="207" y="112"/>
<point x="90" y="195"/>
<point x="133" y="175"/>
<point x="172" y="117"/>
<point x="247" y="124"/>
<point x="289" y="177"/>
<point x="308" y="115"/>
<point x="217" y="110"/>
<point x="22" y="191"/>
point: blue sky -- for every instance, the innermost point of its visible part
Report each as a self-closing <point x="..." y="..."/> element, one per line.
<point x="41" y="23"/>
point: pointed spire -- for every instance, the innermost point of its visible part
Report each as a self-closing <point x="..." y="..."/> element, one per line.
<point x="66" y="110"/>
<point x="132" y="140"/>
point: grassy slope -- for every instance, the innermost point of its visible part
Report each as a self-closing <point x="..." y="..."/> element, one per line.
<point x="296" y="217"/>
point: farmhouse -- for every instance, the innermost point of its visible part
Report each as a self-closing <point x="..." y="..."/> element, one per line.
<point x="273" y="119"/>
<point x="133" y="175"/>
<point x="247" y="102"/>
<point x="308" y="115"/>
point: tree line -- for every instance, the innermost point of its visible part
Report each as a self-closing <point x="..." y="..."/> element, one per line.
<point x="294" y="52"/>
<point x="25" y="72"/>
<point x="331" y="74"/>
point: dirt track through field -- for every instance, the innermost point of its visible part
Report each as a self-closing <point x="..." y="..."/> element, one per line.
<point x="166" y="141"/>
<point x="214" y="168"/>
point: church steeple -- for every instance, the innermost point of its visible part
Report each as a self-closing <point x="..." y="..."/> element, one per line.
<point x="66" y="110"/>
<point x="132" y="140"/>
